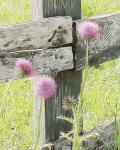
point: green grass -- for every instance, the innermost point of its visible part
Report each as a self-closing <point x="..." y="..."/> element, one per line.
<point x="14" y="11"/>
<point x="97" y="7"/>
<point x="16" y="131"/>
<point x="16" y="127"/>
<point x="102" y="92"/>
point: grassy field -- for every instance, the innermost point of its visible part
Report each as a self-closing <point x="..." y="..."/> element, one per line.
<point x="14" y="11"/>
<point x="16" y="127"/>
<point x="97" y="7"/>
<point x="103" y="86"/>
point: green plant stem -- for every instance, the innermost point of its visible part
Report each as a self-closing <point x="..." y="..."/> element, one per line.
<point x="8" y="87"/>
<point x="80" y="109"/>
<point x="76" y="143"/>
<point x="5" y="95"/>
<point x="116" y="125"/>
<point x="116" y="132"/>
<point x="39" y="119"/>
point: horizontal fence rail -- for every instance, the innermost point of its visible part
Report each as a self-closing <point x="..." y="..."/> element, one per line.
<point x="43" y="42"/>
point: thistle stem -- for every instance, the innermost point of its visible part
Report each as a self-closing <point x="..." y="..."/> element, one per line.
<point x="6" y="92"/>
<point x="76" y="143"/>
<point x="39" y="119"/>
<point x="81" y="99"/>
<point x="8" y="87"/>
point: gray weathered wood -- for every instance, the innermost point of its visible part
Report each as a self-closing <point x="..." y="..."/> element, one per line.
<point x="36" y="9"/>
<point x="46" y="33"/>
<point x="109" y="38"/>
<point x="105" y="55"/>
<point x="43" y="60"/>
<point x="68" y="84"/>
<point x="62" y="8"/>
<point x="50" y="8"/>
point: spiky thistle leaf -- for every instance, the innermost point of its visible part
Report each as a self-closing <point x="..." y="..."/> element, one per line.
<point x="68" y="136"/>
<point x="70" y="120"/>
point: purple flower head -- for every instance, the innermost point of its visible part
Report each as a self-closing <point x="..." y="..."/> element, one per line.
<point x="88" y="30"/>
<point x="25" y="66"/>
<point x="45" y="87"/>
<point x="81" y="133"/>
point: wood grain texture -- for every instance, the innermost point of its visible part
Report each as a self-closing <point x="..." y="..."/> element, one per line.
<point x="62" y="8"/>
<point x="43" y="60"/>
<point x="109" y="38"/>
<point x="103" y="56"/>
<point x="68" y="85"/>
<point x="36" y="9"/>
<point x="46" y="33"/>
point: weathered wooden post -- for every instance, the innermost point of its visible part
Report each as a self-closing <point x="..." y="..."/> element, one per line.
<point x="36" y="9"/>
<point x="68" y="82"/>
<point x="50" y="8"/>
<point x="62" y="8"/>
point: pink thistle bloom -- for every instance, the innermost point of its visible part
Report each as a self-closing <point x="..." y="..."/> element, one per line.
<point x="45" y="87"/>
<point x="88" y="30"/>
<point x="25" y="66"/>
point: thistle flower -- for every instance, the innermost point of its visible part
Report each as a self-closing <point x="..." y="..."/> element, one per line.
<point x="45" y="87"/>
<point x="81" y="133"/>
<point x="69" y="102"/>
<point x="88" y="30"/>
<point x="24" y="66"/>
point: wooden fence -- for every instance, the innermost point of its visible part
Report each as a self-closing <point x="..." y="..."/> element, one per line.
<point x="51" y="44"/>
<point x="50" y="8"/>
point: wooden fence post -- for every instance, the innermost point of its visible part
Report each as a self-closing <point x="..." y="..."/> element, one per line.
<point x="68" y="82"/>
<point x="37" y="14"/>
<point x="36" y="9"/>
<point x="62" y="8"/>
<point x="50" y="8"/>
